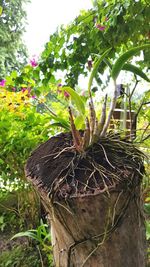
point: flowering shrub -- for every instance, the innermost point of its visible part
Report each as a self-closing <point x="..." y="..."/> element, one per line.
<point x="14" y="102"/>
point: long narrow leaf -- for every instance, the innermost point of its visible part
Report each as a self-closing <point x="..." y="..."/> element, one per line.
<point x="136" y="71"/>
<point x="41" y="231"/>
<point x="61" y="122"/>
<point x="108" y="63"/>
<point x="58" y="124"/>
<point x="26" y="234"/>
<point x="117" y="67"/>
<point x="47" y="237"/>
<point x="76" y="99"/>
<point x="95" y="68"/>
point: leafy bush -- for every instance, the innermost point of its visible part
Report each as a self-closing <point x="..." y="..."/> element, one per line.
<point x="20" y="256"/>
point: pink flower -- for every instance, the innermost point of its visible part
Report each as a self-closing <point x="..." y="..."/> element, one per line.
<point x="23" y="89"/>
<point x="59" y="91"/>
<point x="33" y="96"/>
<point x="33" y="62"/>
<point x="14" y="89"/>
<point x="100" y="27"/>
<point x="2" y="83"/>
<point x="66" y="94"/>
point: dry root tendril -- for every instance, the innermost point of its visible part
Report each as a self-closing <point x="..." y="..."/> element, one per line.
<point x="103" y="166"/>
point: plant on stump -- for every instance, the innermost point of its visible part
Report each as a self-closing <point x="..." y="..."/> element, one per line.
<point x="89" y="181"/>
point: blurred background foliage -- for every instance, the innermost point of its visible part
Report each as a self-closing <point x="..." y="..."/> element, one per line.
<point x="13" y="53"/>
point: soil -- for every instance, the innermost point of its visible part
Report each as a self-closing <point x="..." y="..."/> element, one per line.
<point x="59" y="169"/>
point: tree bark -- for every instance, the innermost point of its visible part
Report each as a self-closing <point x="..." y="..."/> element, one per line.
<point x="100" y="229"/>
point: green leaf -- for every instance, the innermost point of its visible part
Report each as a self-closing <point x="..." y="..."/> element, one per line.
<point x="1" y="161"/>
<point x="79" y="122"/>
<point x="76" y="99"/>
<point x="61" y="122"/>
<point x="136" y="71"/>
<point x="14" y="74"/>
<point x="95" y="67"/>
<point x="58" y="124"/>
<point x="117" y="67"/>
<point x="108" y="63"/>
<point x="28" y="233"/>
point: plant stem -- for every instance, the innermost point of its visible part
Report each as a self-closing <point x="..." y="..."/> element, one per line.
<point x="95" y="69"/>
<point x="54" y="114"/>
<point x="111" y="110"/>
<point x="42" y="265"/>
<point x="132" y="135"/>
<point x="136" y="116"/>
<point x="102" y="118"/>
<point x="49" y="110"/>
<point x="142" y="137"/>
<point x="91" y="104"/>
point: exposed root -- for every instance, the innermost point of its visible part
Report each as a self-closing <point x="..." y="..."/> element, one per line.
<point x="58" y="153"/>
<point x="105" y="165"/>
<point x="66" y="149"/>
<point x="105" y="154"/>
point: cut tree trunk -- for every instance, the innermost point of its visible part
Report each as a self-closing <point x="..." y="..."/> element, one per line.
<point x="93" y="202"/>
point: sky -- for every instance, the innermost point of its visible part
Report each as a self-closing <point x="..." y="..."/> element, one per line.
<point x="45" y="16"/>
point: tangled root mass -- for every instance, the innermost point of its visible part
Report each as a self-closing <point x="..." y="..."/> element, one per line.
<point x="63" y="172"/>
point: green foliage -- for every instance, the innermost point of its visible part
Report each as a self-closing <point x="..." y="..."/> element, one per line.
<point x="20" y="256"/>
<point x="118" y="65"/>
<point x="20" y="133"/>
<point x="147" y="208"/>
<point x="95" y="68"/>
<point x="136" y="71"/>
<point x="41" y="235"/>
<point x="76" y="99"/>
<point x="49" y="98"/>
<point x="12" y="49"/>
<point x="10" y="219"/>
<point x="95" y="126"/>
<point x="69" y="48"/>
<point x="19" y="209"/>
<point x="1" y="10"/>
<point x="148" y="230"/>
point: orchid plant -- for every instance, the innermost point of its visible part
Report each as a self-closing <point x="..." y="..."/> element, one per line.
<point x="92" y="125"/>
<point x="96" y="127"/>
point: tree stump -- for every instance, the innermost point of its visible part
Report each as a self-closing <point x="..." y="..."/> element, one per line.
<point x="93" y="201"/>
